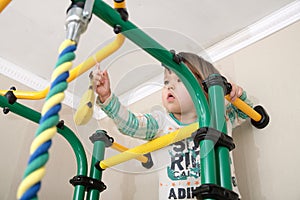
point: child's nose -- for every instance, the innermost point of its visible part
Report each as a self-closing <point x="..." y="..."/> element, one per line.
<point x="171" y="86"/>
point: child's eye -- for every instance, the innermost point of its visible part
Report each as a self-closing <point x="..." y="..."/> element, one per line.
<point x="166" y="82"/>
<point x="178" y="80"/>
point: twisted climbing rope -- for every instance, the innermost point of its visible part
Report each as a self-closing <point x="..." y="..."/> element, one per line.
<point x="39" y="155"/>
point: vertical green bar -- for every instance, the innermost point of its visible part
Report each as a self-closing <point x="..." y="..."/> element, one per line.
<point x="218" y="122"/>
<point x="207" y="161"/>
<point x="98" y="155"/>
<point x="79" y="190"/>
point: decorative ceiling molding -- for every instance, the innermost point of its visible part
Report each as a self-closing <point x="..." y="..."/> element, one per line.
<point x="22" y="76"/>
<point x="251" y="34"/>
<point x="255" y="32"/>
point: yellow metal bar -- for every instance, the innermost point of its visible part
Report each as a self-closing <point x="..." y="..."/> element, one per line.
<point x="98" y="57"/>
<point x="153" y="145"/>
<point x="3" y="4"/>
<point x="20" y="94"/>
<point x="245" y="108"/>
<point x="75" y="72"/>
<point x="121" y="148"/>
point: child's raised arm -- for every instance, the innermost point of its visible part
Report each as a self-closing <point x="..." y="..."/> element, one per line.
<point x="101" y="84"/>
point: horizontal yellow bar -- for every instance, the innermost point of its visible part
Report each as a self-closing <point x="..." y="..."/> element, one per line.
<point x="121" y="148"/>
<point x="3" y="4"/>
<point x="75" y="72"/>
<point x="245" y="108"/>
<point x="153" y="145"/>
<point x="97" y="57"/>
<point x="20" y="94"/>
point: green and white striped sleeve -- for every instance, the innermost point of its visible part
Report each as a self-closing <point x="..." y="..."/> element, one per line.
<point x="143" y="126"/>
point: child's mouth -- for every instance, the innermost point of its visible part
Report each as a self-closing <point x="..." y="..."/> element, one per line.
<point x="170" y="97"/>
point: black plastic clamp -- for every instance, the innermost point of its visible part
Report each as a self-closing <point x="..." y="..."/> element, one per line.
<point x="6" y="110"/>
<point x="219" y="138"/>
<point x="11" y="97"/>
<point x="79" y="4"/>
<point x="88" y="182"/>
<point x="213" y="191"/>
<point x="265" y="119"/>
<point x="217" y="79"/>
<point x="117" y="29"/>
<point x="101" y="135"/>
<point x="176" y="57"/>
<point x="123" y="13"/>
<point x="97" y="166"/>
<point x="61" y="124"/>
<point x="149" y="162"/>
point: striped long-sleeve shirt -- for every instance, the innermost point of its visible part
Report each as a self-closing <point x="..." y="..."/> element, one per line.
<point x="180" y="162"/>
<point x="147" y="126"/>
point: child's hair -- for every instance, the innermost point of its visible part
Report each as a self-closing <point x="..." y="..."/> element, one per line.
<point x="199" y="66"/>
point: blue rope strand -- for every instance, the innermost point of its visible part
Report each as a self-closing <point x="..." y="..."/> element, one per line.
<point x="31" y="192"/>
<point x="67" y="50"/>
<point x="48" y="123"/>
<point x="40" y="150"/>
<point x="52" y="111"/>
<point x="62" y="77"/>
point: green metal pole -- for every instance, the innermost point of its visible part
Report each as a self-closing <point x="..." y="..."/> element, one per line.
<point x="99" y="141"/>
<point x="76" y="145"/>
<point x="218" y="122"/>
<point x="79" y="190"/>
<point x="141" y="39"/>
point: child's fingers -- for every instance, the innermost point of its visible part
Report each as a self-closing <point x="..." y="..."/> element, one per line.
<point x="97" y="79"/>
<point x="95" y="73"/>
<point x="104" y="73"/>
<point x="240" y="91"/>
<point x="97" y="66"/>
<point x="99" y="76"/>
<point x="235" y="92"/>
<point x="96" y="82"/>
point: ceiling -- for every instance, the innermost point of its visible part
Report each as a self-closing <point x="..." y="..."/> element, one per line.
<point x="31" y="32"/>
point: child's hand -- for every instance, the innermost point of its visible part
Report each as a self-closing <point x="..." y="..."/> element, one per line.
<point x="101" y="84"/>
<point x="236" y="92"/>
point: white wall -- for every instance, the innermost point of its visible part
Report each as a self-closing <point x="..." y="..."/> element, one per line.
<point x="267" y="160"/>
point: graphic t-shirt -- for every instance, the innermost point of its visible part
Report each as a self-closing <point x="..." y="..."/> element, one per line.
<point x="181" y="174"/>
<point x="181" y="177"/>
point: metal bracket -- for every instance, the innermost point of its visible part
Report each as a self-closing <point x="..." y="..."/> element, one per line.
<point x="78" y="17"/>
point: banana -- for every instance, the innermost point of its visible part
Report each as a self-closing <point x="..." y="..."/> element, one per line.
<point x="85" y="109"/>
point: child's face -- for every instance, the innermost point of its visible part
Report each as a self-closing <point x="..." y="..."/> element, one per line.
<point x="175" y="97"/>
